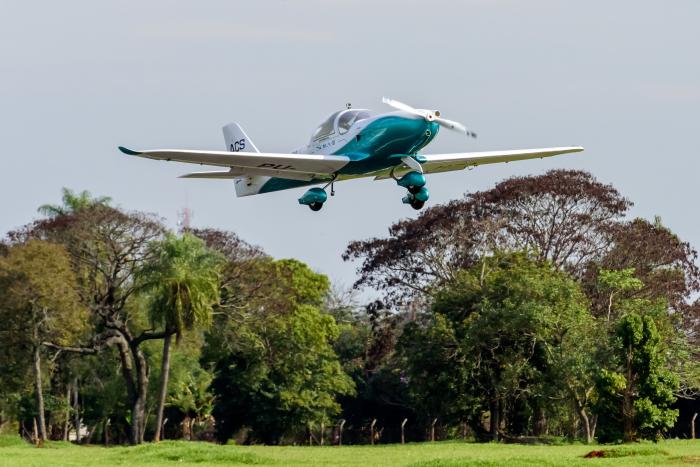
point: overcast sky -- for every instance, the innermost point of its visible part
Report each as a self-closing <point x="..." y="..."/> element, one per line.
<point x="77" y="79"/>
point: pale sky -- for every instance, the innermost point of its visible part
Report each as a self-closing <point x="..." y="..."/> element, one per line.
<point x="79" y="78"/>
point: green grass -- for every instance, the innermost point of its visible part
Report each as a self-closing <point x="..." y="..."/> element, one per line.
<point x="14" y="452"/>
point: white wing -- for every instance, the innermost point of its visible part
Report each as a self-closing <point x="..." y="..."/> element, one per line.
<point x="292" y="166"/>
<point x="435" y="163"/>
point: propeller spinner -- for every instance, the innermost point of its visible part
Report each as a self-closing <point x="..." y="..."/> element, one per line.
<point x="430" y="115"/>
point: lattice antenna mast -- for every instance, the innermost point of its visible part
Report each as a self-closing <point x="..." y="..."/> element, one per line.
<point x="184" y="219"/>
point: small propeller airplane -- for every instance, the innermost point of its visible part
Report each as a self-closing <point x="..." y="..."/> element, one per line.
<point x="349" y="144"/>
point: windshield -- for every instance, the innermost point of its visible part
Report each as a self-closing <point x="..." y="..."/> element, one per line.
<point x="326" y="128"/>
<point x="348" y="119"/>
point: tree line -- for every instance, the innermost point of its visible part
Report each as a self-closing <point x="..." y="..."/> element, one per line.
<point x="535" y="309"/>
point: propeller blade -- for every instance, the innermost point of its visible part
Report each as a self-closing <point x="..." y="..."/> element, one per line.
<point x="401" y="106"/>
<point x="429" y="115"/>
<point x="451" y="124"/>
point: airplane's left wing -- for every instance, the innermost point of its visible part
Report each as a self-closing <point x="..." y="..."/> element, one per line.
<point x="435" y="163"/>
<point x="292" y="166"/>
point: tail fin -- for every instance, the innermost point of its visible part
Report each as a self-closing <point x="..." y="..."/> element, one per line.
<point x="237" y="140"/>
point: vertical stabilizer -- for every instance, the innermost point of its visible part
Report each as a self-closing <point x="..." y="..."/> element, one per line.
<point x="237" y="140"/>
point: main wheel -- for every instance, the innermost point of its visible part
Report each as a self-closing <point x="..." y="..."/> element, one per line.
<point x="316" y="206"/>
<point x="415" y="204"/>
<point x="414" y="189"/>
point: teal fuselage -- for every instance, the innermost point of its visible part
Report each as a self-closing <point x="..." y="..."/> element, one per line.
<point x="370" y="150"/>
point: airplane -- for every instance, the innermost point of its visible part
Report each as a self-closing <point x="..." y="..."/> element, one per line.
<point x="350" y="143"/>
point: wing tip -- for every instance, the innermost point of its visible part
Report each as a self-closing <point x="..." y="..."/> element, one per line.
<point x="129" y="152"/>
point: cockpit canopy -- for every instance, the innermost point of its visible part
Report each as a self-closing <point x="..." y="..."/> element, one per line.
<point x="339" y="122"/>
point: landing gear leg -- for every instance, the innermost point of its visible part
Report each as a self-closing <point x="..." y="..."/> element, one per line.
<point x="332" y="184"/>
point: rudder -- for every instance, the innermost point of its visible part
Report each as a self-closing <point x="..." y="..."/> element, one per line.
<point x="237" y="140"/>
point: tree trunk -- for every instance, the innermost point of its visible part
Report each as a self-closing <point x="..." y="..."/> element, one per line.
<point x="493" y="425"/>
<point x="187" y="435"/>
<point x="586" y="425"/>
<point x="76" y="411"/>
<point x="540" y="427"/>
<point x="135" y="373"/>
<point x="35" y="432"/>
<point x="38" y="387"/>
<point x="627" y="403"/>
<point x="139" y="408"/>
<point x="165" y="374"/>
<point x="66" y="422"/>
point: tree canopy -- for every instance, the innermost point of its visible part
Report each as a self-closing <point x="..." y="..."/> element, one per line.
<point x="536" y="308"/>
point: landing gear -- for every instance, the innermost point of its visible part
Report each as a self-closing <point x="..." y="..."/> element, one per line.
<point x="417" y="205"/>
<point x="414" y="182"/>
<point x="417" y="200"/>
<point x="314" y="198"/>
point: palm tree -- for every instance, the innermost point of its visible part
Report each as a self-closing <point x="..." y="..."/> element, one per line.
<point x="183" y="286"/>
<point x="73" y="202"/>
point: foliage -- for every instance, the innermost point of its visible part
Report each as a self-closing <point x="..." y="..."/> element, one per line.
<point x="563" y="216"/>
<point x="38" y="287"/>
<point x="494" y="335"/>
<point x="276" y="370"/>
<point x="72" y="203"/>
<point x="514" y="310"/>
<point x="636" y="394"/>
<point x="182" y="281"/>
<point x="664" y="265"/>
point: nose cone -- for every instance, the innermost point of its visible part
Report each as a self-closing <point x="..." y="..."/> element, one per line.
<point x="423" y="132"/>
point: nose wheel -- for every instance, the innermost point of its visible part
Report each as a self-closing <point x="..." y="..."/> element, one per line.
<point x="416" y="200"/>
<point x="414" y="182"/>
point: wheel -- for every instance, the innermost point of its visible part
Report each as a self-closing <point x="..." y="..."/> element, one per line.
<point x="414" y="189"/>
<point x="316" y="206"/>
<point x="415" y="204"/>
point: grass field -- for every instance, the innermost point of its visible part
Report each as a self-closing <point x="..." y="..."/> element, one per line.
<point x="14" y="452"/>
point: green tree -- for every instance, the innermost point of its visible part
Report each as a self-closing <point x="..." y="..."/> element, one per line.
<point x="182" y="281"/>
<point x="490" y="339"/>
<point x="189" y="395"/>
<point x="40" y="300"/>
<point x="108" y="247"/>
<point x="636" y="393"/>
<point x="276" y="370"/>
<point x="614" y="283"/>
<point x="72" y="203"/>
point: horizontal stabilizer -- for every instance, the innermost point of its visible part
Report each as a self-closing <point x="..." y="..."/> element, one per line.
<point x="223" y="174"/>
